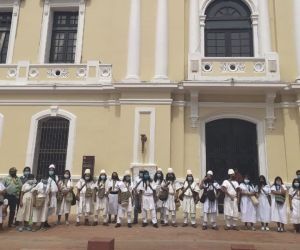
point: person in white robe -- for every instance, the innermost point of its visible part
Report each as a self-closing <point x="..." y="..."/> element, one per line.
<point x="84" y="198"/>
<point x="26" y="202"/>
<point x="278" y="209"/>
<point x="294" y="200"/>
<point x="2" y="193"/>
<point x="231" y="189"/>
<point x="210" y="207"/>
<point x="189" y="189"/>
<point x="113" y="204"/>
<point x="169" y="205"/>
<point x="264" y="206"/>
<point x="159" y="179"/>
<point x="137" y="206"/>
<point x="125" y="189"/>
<point x="248" y="209"/>
<point x="40" y="214"/>
<point x="65" y="186"/>
<point x="147" y="197"/>
<point x="100" y="198"/>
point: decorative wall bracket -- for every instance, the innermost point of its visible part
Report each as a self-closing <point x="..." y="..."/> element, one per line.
<point x="143" y="139"/>
<point x="194" y="117"/>
<point x="270" y="109"/>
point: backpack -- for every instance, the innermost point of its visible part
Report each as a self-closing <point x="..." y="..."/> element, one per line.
<point x="211" y="194"/>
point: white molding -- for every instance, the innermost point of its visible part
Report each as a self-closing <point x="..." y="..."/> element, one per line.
<point x="1" y="127"/>
<point x="179" y="103"/>
<point x="261" y="138"/>
<point x="270" y="110"/>
<point x="52" y="111"/>
<point x="151" y="137"/>
<point x="194" y="117"/>
<point x="146" y="101"/>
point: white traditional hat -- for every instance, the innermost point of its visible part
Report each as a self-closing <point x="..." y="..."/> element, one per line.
<point x="170" y="170"/>
<point x="189" y="172"/>
<point x="127" y="172"/>
<point x="159" y="169"/>
<point x="102" y="171"/>
<point x="87" y="171"/>
<point x="210" y="172"/>
<point x="230" y="171"/>
<point x="52" y="166"/>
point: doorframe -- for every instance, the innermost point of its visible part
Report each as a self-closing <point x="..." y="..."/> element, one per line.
<point x="261" y="138"/>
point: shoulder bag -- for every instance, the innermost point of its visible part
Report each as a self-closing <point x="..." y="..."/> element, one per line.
<point x="280" y="199"/>
<point x="253" y="198"/>
<point x="78" y="195"/>
<point x="163" y="194"/>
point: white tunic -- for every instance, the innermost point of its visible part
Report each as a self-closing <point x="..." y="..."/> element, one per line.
<point x="25" y="212"/>
<point x="113" y="198"/>
<point x="188" y="203"/>
<point x="125" y="187"/>
<point x="2" y="187"/>
<point x="295" y="214"/>
<point x="64" y="206"/>
<point x="84" y="205"/>
<point x="211" y="207"/>
<point x="263" y="209"/>
<point x="101" y="204"/>
<point x="159" y="202"/>
<point x="170" y="202"/>
<point x="43" y="190"/>
<point x="248" y="210"/>
<point x="278" y="210"/>
<point x="147" y="197"/>
<point x="54" y="190"/>
<point x="231" y="207"/>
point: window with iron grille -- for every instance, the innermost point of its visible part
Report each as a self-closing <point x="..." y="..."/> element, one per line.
<point x="64" y="37"/>
<point x="5" y="24"/>
<point x="228" y="30"/>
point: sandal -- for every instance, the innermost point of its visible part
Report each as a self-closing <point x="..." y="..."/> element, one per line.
<point x="204" y="227"/>
<point x="184" y="225"/>
<point x="235" y="228"/>
<point x="226" y="228"/>
<point x="33" y="230"/>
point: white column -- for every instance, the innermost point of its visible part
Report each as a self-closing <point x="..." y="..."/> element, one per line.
<point x="134" y="43"/>
<point x="264" y="28"/>
<point x="162" y="43"/>
<point x="296" y="10"/>
<point x="194" y="27"/>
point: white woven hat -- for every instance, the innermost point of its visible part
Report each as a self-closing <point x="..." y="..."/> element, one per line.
<point x="52" y="166"/>
<point x="230" y="171"/>
<point x="189" y="172"/>
<point x="87" y="171"/>
<point x="159" y="169"/>
<point x="170" y="170"/>
<point x="102" y="171"/>
<point x="127" y="172"/>
<point x="210" y="172"/>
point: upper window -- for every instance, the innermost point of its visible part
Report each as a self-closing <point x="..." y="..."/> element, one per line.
<point x="5" y="24"/>
<point x="228" y="29"/>
<point x="64" y="37"/>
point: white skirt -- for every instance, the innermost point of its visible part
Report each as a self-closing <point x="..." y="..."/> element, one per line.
<point x="53" y="204"/>
<point x="188" y="205"/>
<point x="248" y="210"/>
<point x="210" y="207"/>
<point x="231" y="207"/>
<point x="113" y="204"/>
<point x="278" y="212"/>
<point x="263" y="209"/>
<point x="63" y="207"/>
<point x="25" y="212"/>
<point x="40" y="215"/>
<point x="84" y="205"/>
<point x="170" y="203"/>
<point x="148" y="202"/>
<point x="295" y="214"/>
<point x="101" y="204"/>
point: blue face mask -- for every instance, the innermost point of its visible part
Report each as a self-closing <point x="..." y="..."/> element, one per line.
<point x="190" y="178"/>
<point x="102" y="177"/>
<point x="146" y="176"/>
<point x="26" y="173"/>
<point x="296" y="184"/>
<point x="298" y="176"/>
<point x="277" y="182"/>
<point x="87" y="178"/>
<point x="51" y="172"/>
<point x="30" y="182"/>
<point x="34" y="181"/>
<point x="66" y="176"/>
<point x="141" y="175"/>
<point x="247" y="181"/>
<point x="45" y="181"/>
<point x="127" y="178"/>
<point x="158" y="175"/>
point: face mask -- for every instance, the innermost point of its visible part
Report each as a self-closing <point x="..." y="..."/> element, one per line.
<point x="146" y="176"/>
<point x="298" y="176"/>
<point x="233" y="177"/>
<point x="30" y="182"/>
<point x="13" y="174"/>
<point x="51" y="172"/>
<point x="66" y="176"/>
<point x="262" y="181"/>
<point x="114" y="177"/>
<point x="26" y="173"/>
<point x="246" y="181"/>
<point x="87" y="178"/>
<point x="102" y="177"/>
<point x="277" y="182"/>
<point x="141" y="175"/>
<point x="127" y="178"/>
<point x="45" y="181"/>
<point x="190" y="178"/>
<point x="296" y="184"/>
<point x="34" y="181"/>
<point x="171" y="178"/>
<point x="158" y="175"/>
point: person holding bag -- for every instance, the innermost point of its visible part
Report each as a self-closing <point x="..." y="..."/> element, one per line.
<point x="113" y="204"/>
<point x="159" y="179"/>
<point x="294" y="199"/>
<point x="41" y="201"/>
<point x="248" y="206"/>
<point x="263" y="212"/>
<point x="211" y="193"/>
<point x="278" y="204"/>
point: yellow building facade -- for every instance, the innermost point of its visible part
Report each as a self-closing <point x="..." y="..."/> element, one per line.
<point x="212" y="84"/>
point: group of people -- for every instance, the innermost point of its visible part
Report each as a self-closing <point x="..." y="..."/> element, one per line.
<point x="32" y="201"/>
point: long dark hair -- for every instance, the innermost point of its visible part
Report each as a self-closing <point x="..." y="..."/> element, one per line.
<point x="296" y="179"/>
<point x="99" y="179"/>
<point x="63" y="177"/>
<point x="158" y="178"/>
<point x="278" y="177"/>
<point x="145" y="180"/>
<point x="117" y="179"/>
<point x="124" y="179"/>
<point x="26" y="168"/>
<point x="259" y="184"/>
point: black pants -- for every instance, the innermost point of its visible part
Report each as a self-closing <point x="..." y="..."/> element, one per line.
<point x="12" y="204"/>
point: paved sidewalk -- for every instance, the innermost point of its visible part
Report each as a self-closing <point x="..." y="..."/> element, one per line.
<point x="71" y="237"/>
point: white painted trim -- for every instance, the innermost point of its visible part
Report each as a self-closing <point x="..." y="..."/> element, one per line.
<point x="261" y="138"/>
<point x="53" y="111"/>
<point x="146" y="101"/>
<point x="1" y="127"/>
<point x="136" y="142"/>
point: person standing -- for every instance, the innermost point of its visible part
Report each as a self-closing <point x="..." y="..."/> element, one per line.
<point x="65" y="187"/>
<point x="13" y="186"/>
<point x="26" y="172"/>
<point x="84" y="197"/>
<point x="100" y="197"/>
<point x="113" y="204"/>
<point x="190" y="191"/>
<point x="125" y="194"/>
<point x="231" y="189"/>
<point x="137" y="206"/>
<point x="264" y="206"/>
<point x="278" y="204"/>
<point x="159" y="179"/>
<point x="294" y="199"/>
<point x="2" y="195"/>
<point x="210" y="206"/>
<point x="248" y="209"/>
<point x="173" y="187"/>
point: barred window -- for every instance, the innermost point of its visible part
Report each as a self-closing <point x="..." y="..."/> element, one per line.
<point x="5" y="24"/>
<point x="64" y="37"/>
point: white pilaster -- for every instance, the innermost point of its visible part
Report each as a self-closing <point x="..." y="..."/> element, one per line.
<point x="264" y="28"/>
<point x="296" y="10"/>
<point x="162" y="43"/>
<point x="194" y="28"/>
<point x="134" y="43"/>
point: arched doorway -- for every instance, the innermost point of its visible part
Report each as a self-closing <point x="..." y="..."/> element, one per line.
<point x="51" y="145"/>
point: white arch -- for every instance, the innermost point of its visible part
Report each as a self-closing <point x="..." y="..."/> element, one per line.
<point x="52" y="112"/>
<point x="261" y="138"/>
<point x="1" y="127"/>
